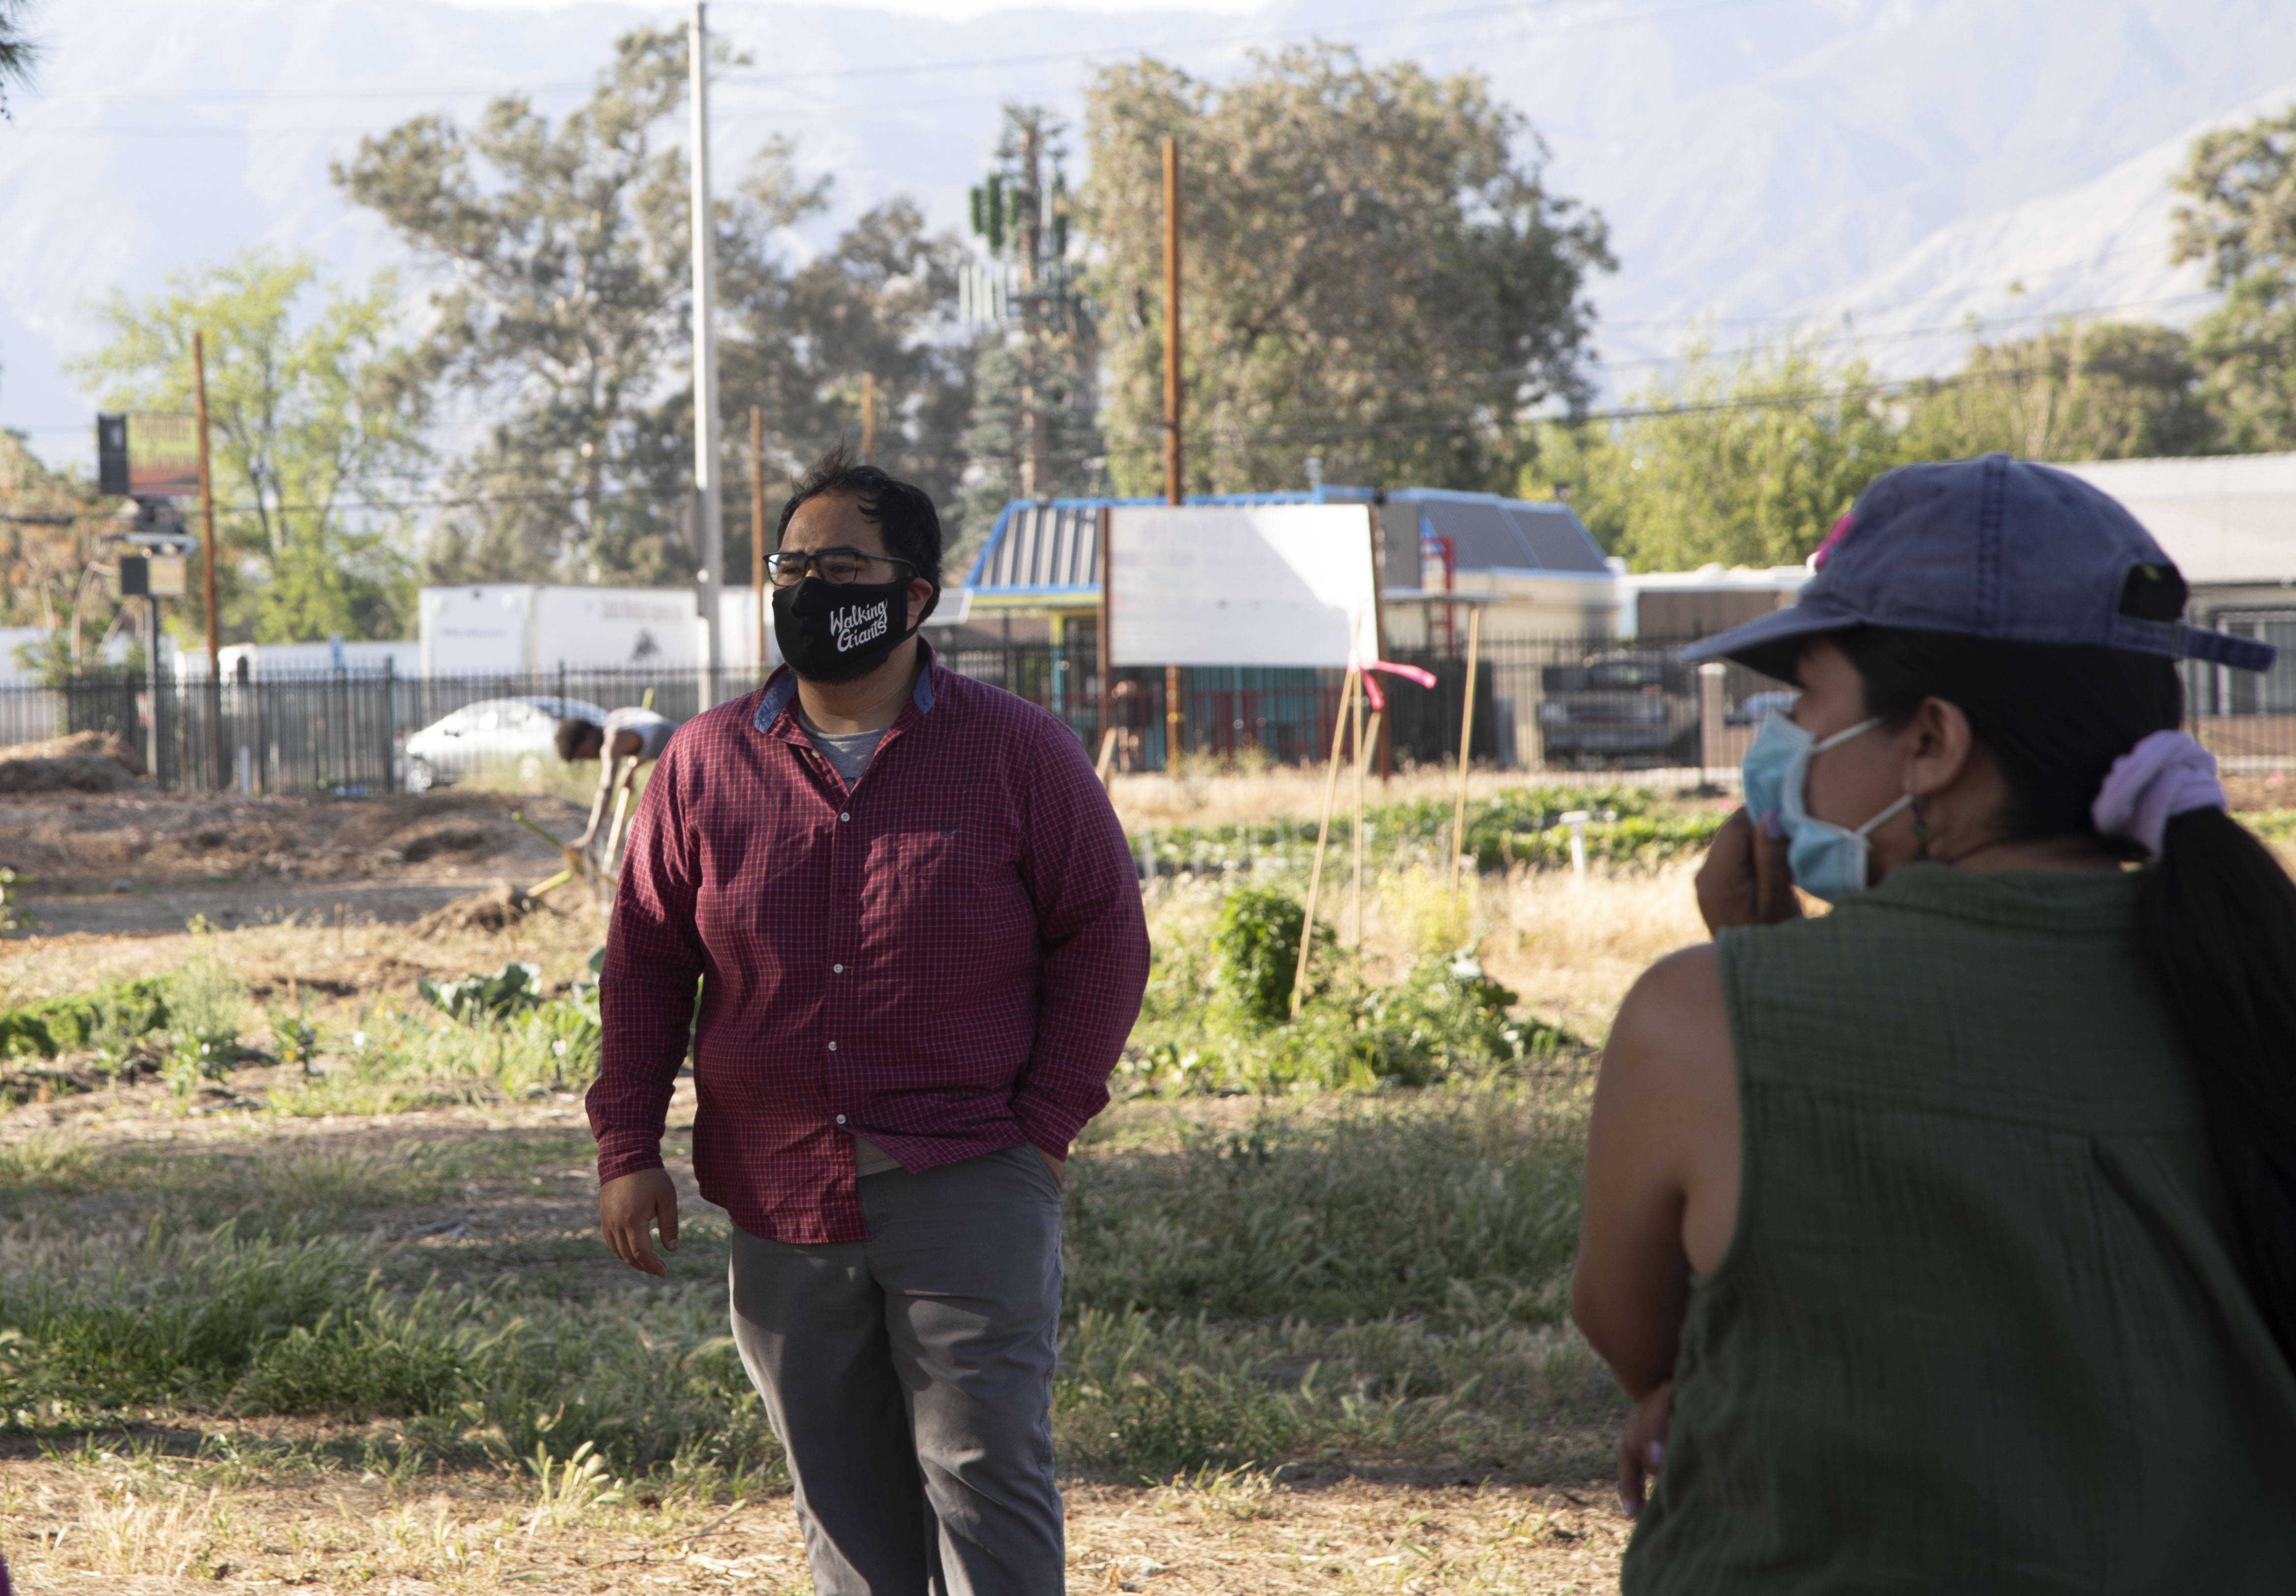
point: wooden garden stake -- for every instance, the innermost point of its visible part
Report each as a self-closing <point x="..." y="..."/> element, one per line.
<point x="1322" y="832"/>
<point x="1466" y="742"/>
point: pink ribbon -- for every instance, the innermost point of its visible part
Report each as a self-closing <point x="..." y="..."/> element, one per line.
<point x="2165" y="774"/>
<point x="1409" y="672"/>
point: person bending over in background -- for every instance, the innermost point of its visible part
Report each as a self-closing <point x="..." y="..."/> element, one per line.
<point x="1948" y="1241"/>
<point x="923" y="949"/>
<point x="629" y="734"/>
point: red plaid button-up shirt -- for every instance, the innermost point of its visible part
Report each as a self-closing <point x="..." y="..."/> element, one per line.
<point x="945" y="958"/>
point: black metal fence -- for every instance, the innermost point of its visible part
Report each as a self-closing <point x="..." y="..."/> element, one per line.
<point x="1541" y="703"/>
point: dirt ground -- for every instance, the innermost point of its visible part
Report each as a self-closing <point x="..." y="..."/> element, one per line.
<point x="141" y="861"/>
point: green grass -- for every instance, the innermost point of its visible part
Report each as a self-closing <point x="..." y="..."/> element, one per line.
<point x="1630" y="828"/>
<point x="1374" y="1280"/>
<point x="1362" y="1263"/>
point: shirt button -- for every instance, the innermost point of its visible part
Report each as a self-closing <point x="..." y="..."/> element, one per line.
<point x="845" y="817"/>
<point x="840" y="1119"/>
<point x="832" y="1047"/>
<point x="837" y="969"/>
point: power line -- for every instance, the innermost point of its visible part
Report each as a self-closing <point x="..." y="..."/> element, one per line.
<point x="913" y="69"/>
<point x="1597" y="25"/>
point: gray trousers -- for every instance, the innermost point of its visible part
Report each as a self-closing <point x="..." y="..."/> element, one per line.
<point x="909" y="1378"/>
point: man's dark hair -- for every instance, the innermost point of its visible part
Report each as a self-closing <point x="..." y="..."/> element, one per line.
<point x="573" y="733"/>
<point x="902" y="511"/>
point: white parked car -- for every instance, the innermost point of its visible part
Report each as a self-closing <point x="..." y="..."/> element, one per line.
<point x="493" y="734"/>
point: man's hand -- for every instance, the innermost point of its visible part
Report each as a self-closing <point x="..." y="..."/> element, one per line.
<point x="626" y="1206"/>
<point x="1745" y="880"/>
<point x="1059" y="1167"/>
<point x="1642" y="1450"/>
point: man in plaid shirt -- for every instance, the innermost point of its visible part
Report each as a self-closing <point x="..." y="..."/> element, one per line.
<point x="920" y="944"/>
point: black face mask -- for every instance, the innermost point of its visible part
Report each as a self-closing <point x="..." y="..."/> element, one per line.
<point x="832" y="633"/>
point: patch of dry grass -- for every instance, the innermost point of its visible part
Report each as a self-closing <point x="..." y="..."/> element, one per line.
<point x="120" y="1521"/>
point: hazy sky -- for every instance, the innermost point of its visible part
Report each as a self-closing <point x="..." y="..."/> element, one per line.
<point x="946" y="10"/>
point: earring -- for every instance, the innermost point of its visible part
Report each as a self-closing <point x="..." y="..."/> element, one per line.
<point x="1920" y="828"/>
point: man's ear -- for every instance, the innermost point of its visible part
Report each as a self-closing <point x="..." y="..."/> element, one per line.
<point x="921" y="594"/>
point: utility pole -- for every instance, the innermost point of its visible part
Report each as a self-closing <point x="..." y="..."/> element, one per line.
<point x="757" y="526"/>
<point x="1175" y="726"/>
<point x="207" y="560"/>
<point x="868" y="418"/>
<point x="1035" y="466"/>
<point x="708" y="507"/>
<point x="1173" y="491"/>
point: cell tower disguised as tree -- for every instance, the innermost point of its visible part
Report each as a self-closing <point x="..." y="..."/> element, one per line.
<point x="1032" y="434"/>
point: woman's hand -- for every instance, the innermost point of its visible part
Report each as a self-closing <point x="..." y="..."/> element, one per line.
<point x="1642" y="1450"/>
<point x="1745" y="880"/>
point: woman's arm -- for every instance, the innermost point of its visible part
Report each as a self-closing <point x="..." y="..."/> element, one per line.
<point x="1661" y="1188"/>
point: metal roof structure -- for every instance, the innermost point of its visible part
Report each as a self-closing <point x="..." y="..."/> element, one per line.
<point x="1047" y="551"/>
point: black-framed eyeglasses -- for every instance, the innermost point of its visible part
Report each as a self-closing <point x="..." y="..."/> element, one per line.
<point x="837" y="567"/>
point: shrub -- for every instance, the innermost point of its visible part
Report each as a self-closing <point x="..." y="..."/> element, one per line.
<point x="478" y="999"/>
<point x="118" y="1009"/>
<point x="1256" y="951"/>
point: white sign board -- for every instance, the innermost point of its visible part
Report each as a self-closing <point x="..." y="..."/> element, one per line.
<point x="1285" y="584"/>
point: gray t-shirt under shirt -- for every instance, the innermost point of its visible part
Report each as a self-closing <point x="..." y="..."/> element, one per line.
<point x="849" y="754"/>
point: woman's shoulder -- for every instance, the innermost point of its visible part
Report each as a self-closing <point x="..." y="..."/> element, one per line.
<point x="1672" y="1033"/>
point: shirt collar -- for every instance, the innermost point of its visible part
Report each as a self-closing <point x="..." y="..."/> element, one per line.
<point x="781" y="691"/>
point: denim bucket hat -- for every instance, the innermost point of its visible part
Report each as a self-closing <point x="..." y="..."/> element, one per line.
<point x="1996" y="547"/>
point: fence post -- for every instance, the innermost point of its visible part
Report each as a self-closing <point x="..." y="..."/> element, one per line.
<point x="391" y="722"/>
<point x="1711" y="720"/>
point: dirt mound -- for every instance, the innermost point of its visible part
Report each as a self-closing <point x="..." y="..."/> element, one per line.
<point x="83" y="762"/>
<point x="495" y="909"/>
<point x="79" y="841"/>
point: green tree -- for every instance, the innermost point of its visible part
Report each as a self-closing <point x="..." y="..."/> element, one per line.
<point x="798" y="339"/>
<point x="50" y="571"/>
<point x="1745" y="459"/>
<point x="1373" y="272"/>
<point x="563" y="252"/>
<point x="318" y="419"/>
<point x="2079" y="391"/>
<point x="2240" y="219"/>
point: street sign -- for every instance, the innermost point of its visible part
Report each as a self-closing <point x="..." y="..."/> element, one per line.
<point x="167" y="576"/>
<point x="147" y="453"/>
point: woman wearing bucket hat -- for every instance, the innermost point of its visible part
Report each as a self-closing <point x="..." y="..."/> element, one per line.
<point x="1947" y="1240"/>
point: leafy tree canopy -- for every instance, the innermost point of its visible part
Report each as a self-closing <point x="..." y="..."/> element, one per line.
<point x="316" y="415"/>
<point x="563" y="305"/>
<point x="2099" y="390"/>
<point x="1373" y="272"/>
<point x="1744" y="459"/>
<point x="2240" y="219"/>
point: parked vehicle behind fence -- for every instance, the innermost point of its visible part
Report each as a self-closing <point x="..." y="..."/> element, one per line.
<point x="512" y="734"/>
<point x="1632" y="709"/>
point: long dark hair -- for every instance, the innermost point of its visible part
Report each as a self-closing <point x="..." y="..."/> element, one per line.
<point x="2219" y="913"/>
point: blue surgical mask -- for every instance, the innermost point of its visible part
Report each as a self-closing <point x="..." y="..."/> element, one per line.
<point x="1825" y="860"/>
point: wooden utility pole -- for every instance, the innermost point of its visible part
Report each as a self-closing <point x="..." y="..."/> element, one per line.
<point x="1174" y="492"/>
<point x="208" y="560"/>
<point x="868" y="418"/>
<point x="757" y="526"/>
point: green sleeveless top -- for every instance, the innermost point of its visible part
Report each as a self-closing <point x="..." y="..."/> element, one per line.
<point x="1983" y="1325"/>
